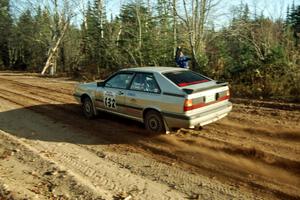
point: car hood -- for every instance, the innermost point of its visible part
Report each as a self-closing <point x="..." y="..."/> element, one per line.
<point x="88" y="85"/>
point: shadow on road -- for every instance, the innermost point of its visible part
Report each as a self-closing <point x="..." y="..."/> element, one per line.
<point x="66" y="123"/>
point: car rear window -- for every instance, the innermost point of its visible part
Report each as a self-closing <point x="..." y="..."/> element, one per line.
<point x="185" y="78"/>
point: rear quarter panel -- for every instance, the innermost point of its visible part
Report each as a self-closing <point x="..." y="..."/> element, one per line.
<point x="171" y="98"/>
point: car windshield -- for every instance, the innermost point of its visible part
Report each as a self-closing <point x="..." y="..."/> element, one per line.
<point x="185" y="78"/>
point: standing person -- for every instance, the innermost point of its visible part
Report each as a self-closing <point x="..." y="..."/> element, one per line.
<point x="180" y="59"/>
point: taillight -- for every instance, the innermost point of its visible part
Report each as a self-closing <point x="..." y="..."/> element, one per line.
<point x="188" y="105"/>
<point x="228" y="93"/>
<point x="205" y="101"/>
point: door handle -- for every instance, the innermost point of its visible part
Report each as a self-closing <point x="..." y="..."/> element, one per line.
<point x="133" y="100"/>
<point x="120" y="93"/>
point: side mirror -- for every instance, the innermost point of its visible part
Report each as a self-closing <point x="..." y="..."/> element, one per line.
<point x="100" y="84"/>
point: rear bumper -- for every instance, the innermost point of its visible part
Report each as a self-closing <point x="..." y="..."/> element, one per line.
<point x="199" y="119"/>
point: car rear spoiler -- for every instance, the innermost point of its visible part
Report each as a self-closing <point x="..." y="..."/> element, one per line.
<point x="218" y="84"/>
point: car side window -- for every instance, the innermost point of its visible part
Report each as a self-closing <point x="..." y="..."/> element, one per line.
<point x="121" y="81"/>
<point x="145" y="83"/>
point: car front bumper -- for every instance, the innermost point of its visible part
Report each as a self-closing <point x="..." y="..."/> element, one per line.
<point x="199" y="119"/>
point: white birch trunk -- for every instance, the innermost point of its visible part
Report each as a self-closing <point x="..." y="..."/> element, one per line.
<point x="53" y="52"/>
<point x="101" y="15"/>
<point x="174" y="27"/>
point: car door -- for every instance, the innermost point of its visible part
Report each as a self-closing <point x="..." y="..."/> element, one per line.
<point x="143" y="92"/>
<point x="111" y="96"/>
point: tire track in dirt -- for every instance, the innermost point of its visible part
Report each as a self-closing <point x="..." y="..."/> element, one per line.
<point x="36" y="100"/>
<point x="106" y="175"/>
<point x="61" y="91"/>
<point x="145" y="145"/>
<point x="56" y="112"/>
<point x="276" y="135"/>
<point x="41" y="100"/>
<point x="246" y="152"/>
<point x="34" y="165"/>
<point x="258" y="103"/>
<point x="180" y="181"/>
<point x="238" y="167"/>
<point x="227" y="138"/>
<point x="253" y="153"/>
<point x="221" y="131"/>
<point x="61" y="97"/>
<point x="204" y="187"/>
<point x="98" y="174"/>
<point x="269" y="115"/>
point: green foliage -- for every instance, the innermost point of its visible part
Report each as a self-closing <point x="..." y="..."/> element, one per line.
<point x="5" y="30"/>
<point x="137" y="33"/>
<point x="293" y="22"/>
<point x="260" y="57"/>
<point x="94" y="35"/>
<point x="24" y="31"/>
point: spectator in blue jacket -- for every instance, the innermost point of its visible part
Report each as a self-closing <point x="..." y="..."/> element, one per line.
<point x="181" y="60"/>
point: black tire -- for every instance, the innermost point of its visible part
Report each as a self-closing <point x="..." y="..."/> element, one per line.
<point x="154" y="122"/>
<point x="88" y="109"/>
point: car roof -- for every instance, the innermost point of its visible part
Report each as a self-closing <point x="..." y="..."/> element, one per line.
<point x="153" y="69"/>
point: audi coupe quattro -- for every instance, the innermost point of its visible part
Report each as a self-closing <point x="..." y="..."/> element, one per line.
<point x="160" y="97"/>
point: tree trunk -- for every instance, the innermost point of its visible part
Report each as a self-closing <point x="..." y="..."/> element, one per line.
<point x="174" y="28"/>
<point x="119" y="34"/>
<point x="53" y="52"/>
<point x="140" y="42"/>
<point x="100" y="12"/>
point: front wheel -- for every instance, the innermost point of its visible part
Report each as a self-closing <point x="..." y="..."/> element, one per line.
<point x="154" y="122"/>
<point x="88" y="109"/>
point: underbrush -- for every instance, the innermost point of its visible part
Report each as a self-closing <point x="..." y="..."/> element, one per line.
<point x="285" y="88"/>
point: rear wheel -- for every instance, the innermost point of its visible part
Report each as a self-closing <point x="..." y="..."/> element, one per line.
<point x="87" y="107"/>
<point x="154" y="122"/>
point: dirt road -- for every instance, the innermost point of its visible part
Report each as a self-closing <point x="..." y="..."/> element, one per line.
<point x="48" y="150"/>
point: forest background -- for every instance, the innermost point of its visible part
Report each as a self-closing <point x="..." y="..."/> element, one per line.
<point x="257" y="53"/>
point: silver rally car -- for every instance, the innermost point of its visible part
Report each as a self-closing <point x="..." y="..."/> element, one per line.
<point x="160" y="97"/>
